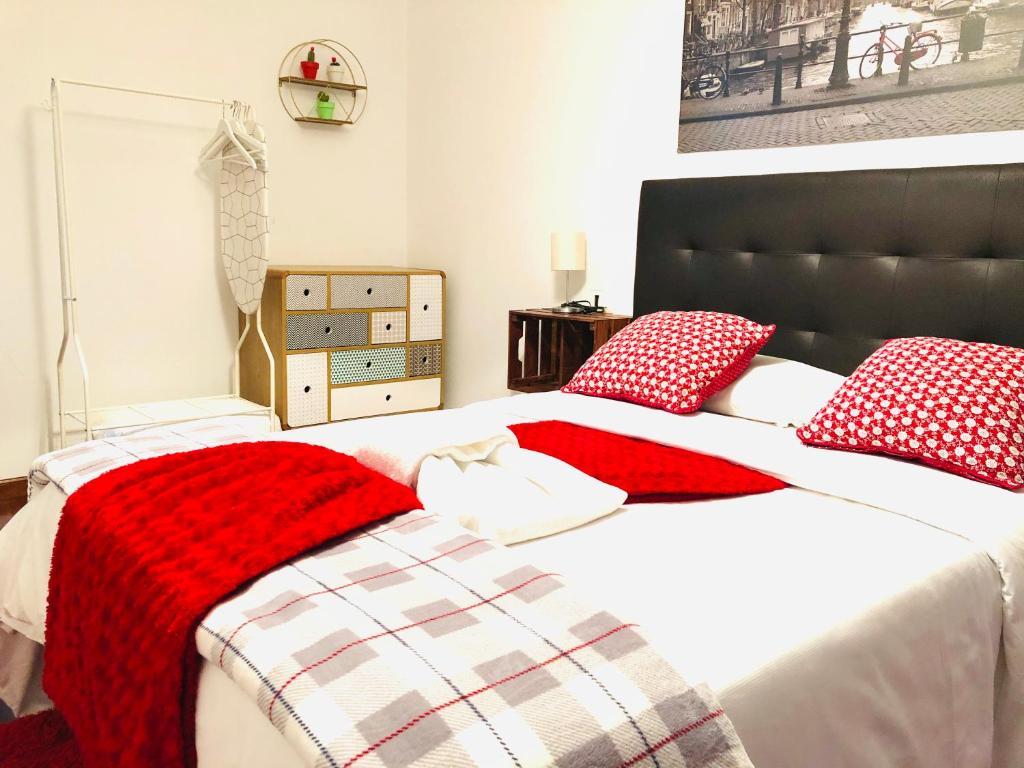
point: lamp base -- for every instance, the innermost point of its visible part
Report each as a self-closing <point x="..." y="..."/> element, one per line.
<point x="568" y="309"/>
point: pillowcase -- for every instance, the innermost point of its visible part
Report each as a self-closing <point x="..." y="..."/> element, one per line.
<point x="781" y="392"/>
<point x="955" y="405"/>
<point x="671" y="360"/>
<point x="647" y="471"/>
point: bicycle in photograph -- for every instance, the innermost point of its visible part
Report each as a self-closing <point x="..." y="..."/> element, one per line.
<point x="925" y="47"/>
<point x="708" y="84"/>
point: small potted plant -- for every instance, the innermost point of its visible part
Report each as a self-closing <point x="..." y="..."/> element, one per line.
<point x="324" y="106"/>
<point x="335" y="71"/>
<point x="310" y="65"/>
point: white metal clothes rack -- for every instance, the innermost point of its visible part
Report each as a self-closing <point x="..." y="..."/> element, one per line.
<point x="142" y="414"/>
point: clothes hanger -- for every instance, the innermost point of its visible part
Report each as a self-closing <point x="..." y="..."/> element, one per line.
<point x="242" y="133"/>
<point x="241" y="125"/>
<point x="232" y="141"/>
<point x="232" y="155"/>
<point x="224" y="135"/>
<point x="225" y="138"/>
<point x="251" y="133"/>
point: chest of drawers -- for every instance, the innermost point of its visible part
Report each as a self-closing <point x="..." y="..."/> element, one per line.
<point x="348" y="342"/>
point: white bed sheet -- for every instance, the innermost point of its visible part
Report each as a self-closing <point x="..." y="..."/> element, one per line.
<point x="990" y="518"/>
<point x="835" y="634"/>
<point x="820" y="621"/>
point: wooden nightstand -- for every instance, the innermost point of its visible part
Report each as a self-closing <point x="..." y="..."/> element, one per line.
<point x="556" y="345"/>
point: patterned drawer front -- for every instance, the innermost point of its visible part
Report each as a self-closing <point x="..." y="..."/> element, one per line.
<point x="387" y="327"/>
<point x="359" y="291"/>
<point x="307" y="389"/>
<point x="425" y="360"/>
<point x="314" y="331"/>
<point x="305" y="292"/>
<point x="424" y="307"/>
<point x="355" y="365"/>
<point x="379" y="399"/>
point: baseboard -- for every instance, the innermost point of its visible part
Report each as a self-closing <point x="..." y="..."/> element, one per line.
<point x="13" y="495"/>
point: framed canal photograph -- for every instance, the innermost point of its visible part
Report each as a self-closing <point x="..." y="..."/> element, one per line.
<point x="781" y="73"/>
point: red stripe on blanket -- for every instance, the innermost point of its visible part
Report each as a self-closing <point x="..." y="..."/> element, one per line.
<point x="145" y="551"/>
<point x="489" y="687"/>
<point x="647" y="471"/>
<point x="347" y="585"/>
<point x="393" y="632"/>
<point x="675" y="736"/>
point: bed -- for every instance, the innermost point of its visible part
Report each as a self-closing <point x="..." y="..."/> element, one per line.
<point x="868" y="615"/>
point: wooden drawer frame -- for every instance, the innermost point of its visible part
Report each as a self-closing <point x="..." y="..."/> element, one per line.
<point x="254" y="375"/>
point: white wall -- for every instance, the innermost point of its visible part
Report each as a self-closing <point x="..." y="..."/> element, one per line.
<point x="490" y="124"/>
<point x="155" y="311"/>
<point x="539" y="115"/>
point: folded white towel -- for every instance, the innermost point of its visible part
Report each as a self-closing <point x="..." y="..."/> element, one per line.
<point x="514" y="494"/>
<point x="396" y="447"/>
<point x="467" y="465"/>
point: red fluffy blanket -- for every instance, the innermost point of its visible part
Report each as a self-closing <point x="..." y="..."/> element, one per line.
<point x="145" y="551"/>
<point x="646" y="471"/>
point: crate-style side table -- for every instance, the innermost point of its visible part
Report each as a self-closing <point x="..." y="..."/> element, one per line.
<point x="555" y="346"/>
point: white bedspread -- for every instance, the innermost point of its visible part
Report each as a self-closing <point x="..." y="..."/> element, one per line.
<point x="834" y="620"/>
<point x="846" y="630"/>
<point x="989" y="518"/>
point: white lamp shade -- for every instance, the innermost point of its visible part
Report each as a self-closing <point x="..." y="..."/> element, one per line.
<point x="568" y="251"/>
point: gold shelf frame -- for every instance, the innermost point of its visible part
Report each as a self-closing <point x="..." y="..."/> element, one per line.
<point x="353" y="107"/>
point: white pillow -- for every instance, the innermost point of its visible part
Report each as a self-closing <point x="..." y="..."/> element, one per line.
<point x="776" y="391"/>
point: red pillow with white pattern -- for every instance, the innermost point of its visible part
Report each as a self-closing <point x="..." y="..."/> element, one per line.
<point x="671" y="360"/>
<point x="955" y="405"/>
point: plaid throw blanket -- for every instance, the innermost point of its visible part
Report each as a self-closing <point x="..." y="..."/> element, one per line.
<point x="71" y="468"/>
<point x="145" y="551"/>
<point x="415" y="643"/>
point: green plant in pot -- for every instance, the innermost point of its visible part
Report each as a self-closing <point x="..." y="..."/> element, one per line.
<point x="324" y="106"/>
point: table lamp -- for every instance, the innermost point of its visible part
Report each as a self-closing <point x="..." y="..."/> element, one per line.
<point x="568" y="254"/>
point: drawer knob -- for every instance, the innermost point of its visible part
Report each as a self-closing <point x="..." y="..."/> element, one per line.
<point x="306" y="388"/>
<point x="426" y="307"/>
<point x="368" y="363"/>
<point x="305" y="291"/>
<point x="387" y="397"/>
<point x="327" y="329"/>
<point x="369" y="291"/>
<point x="423" y="359"/>
<point x="387" y="327"/>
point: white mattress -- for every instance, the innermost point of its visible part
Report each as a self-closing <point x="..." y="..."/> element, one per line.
<point x="835" y="634"/>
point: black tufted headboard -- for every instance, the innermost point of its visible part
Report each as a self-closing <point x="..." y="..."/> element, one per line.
<point x="841" y="261"/>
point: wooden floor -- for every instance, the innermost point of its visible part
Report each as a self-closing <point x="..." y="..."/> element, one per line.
<point x="12" y="497"/>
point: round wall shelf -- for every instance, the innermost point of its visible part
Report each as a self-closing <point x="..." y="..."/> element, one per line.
<point x="344" y="84"/>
